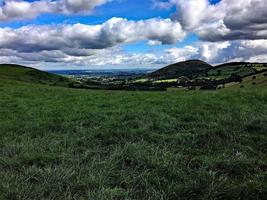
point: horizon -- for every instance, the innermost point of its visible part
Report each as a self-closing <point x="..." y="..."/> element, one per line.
<point x="130" y="34"/>
<point x="54" y="69"/>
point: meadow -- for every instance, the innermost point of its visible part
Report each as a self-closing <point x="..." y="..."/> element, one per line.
<point x="60" y="143"/>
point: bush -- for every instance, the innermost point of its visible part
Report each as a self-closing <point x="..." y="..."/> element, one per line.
<point x="242" y="86"/>
<point x="254" y="77"/>
<point x="192" y="88"/>
<point x="209" y="87"/>
<point x="236" y="78"/>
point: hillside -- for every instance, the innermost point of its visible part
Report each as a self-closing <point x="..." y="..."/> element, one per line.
<point x="64" y="143"/>
<point x="258" y="80"/>
<point x="200" y="75"/>
<point x="238" y="68"/>
<point x="187" y="68"/>
<point x="31" y="75"/>
<point x="198" y="69"/>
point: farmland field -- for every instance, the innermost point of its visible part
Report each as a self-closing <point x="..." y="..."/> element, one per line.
<point x="61" y="143"/>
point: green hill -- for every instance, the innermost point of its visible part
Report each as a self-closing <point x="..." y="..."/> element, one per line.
<point x="198" y="73"/>
<point x="31" y="75"/>
<point x="187" y="68"/>
<point x="258" y="80"/>
<point x="242" y="69"/>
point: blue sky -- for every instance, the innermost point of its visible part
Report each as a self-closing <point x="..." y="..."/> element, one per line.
<point x="130" y="9"/>
<point x="187" y="29"/>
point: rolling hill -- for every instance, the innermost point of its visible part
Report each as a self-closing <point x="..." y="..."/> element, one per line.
<point x="258" y="80"/>
<point x="242" y="69"/>
<point x="187" y="68"/>
<point x="31" y="75"/>
<point x="195" y="69"/>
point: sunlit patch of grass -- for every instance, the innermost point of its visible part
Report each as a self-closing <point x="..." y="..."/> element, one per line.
<point x="166" y="81"/>
<point x="254" y="81"/>
<point x="260" y="67"/>
<point x="142" y="80"/>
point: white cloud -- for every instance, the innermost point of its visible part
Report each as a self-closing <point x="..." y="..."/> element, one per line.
<point x="230" y="31"/>
<point x="154" y="43"/>
<point x="240" y="50"/>
<point x="19" y="9"/>
<point x="174" y="55"/>
<point x="258" y="58"/>
<point x="87" y="45"/>
<point x="211" y="52"/>
<point x="113" y="32"/>
<point x="226" y="20"/>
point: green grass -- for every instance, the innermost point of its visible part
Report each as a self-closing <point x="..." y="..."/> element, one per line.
<point x="26" y="74"/>
<point x="260" y="67"/>
<point x="252" y="82"/>
<point x="60" y="143"/>
<point x="142" y="80"/>
<point x="226" y="71"/>
<point x="166" y="80"/>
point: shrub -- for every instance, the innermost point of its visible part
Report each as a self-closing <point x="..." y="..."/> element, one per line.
<point x="192" y="88"/>
<point x="236" y="78"/>
<point x="209" y="87"/>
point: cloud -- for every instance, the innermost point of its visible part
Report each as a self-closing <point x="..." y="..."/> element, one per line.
<point x="220" y="52"/>
<point x="19" y="9"/>
<point x="229" y="31"/>
<point x="239" y="50"/>
<point x="162" y="4"/>
<point x="211" y="52"/>
<point x="84" y="45"/>
<point x="226" y="20"/>
<point x="154" y="43"/>
<point x="113" y="32"/>
<point x="174" y="55"/>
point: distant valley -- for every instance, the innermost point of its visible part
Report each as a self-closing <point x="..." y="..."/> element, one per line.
<point x="192" y="75"/>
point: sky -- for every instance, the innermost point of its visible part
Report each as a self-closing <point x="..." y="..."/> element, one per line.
<point x="116" y="34"/>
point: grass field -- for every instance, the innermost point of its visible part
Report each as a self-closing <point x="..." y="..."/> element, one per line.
<point x="26" y="74"/>
<point x="59" y="143"/>
<point x="251" y="82"/>
<point x="227" y="70"/>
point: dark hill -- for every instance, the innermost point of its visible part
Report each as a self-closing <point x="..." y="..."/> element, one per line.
<point x="186" y="68"/>
<point x="31" y="75"/>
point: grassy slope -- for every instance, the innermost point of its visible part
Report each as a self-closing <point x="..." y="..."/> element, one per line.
<point x="26" y="74"/>
<point x="241" y="69"/>
<point x="205" y="71"/>
<point x="259" y="79"/>
<point x="255" y="81"/>
<point x="187" y="68"/>
<point x="59" y="143"/>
